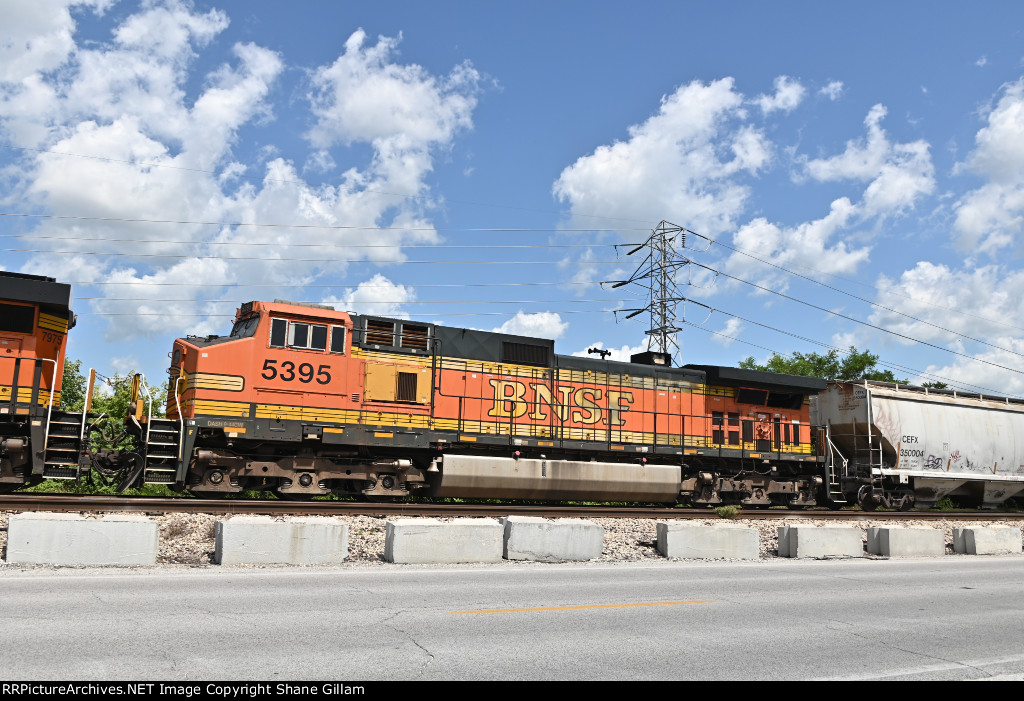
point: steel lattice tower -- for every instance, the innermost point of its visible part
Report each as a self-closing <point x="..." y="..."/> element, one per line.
<point x="657" y="274"/>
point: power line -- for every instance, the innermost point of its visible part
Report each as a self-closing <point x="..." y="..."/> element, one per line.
<point x="305" y="184"/>
<point x="893" y="366"/>
<point x="850" y="294"/>
<point x="122" y="254"/>
<point x="858" y="321"/>
<point x="285" y="225"/>
<point x="809" y="340"/>
<point x="338" y="244"/>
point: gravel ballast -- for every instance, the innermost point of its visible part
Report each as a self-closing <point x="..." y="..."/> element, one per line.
<point x="188" y="538"/>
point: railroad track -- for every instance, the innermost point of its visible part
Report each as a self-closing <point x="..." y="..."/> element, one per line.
<point x="152" y="505"/>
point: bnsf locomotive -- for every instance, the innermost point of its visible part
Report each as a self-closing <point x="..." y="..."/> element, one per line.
<point x="304" y="400"/>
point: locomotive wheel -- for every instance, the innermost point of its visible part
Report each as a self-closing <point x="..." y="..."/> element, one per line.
<point x="209" y="495"/>
<point x="292" y="496"/>
<point x="381" y="498"/>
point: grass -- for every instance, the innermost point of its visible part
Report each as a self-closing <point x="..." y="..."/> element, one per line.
<point x="95" y="484"/>
<point x="729" y="511"/>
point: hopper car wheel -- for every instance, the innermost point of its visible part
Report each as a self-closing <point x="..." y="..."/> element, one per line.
<point x="907" y="503"/>
<point x="866" y="499"/>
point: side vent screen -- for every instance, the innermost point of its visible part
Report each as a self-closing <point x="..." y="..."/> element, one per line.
<point x="381" y="333"/>
<point x="414" y="337"/>
<point x="406" y="387"/>
<point x="523" y="353"/>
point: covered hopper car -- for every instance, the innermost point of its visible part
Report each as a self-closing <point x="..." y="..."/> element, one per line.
<point x="894" y="446"/>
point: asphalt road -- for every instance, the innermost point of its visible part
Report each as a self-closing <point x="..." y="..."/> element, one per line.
<point x="949" y="618"/>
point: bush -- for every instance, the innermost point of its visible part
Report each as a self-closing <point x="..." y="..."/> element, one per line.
<point x="727" y="511"/>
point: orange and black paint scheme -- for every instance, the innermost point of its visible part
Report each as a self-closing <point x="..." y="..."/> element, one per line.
<point x="305" y="400"/>
<point x="35" y="316"/>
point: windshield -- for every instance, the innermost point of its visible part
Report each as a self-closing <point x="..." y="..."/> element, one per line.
<point x="245" y="327"/>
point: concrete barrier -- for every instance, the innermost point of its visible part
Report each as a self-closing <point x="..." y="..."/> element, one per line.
<point x="429" y="541"/>
<point x="806" y="542"/>
<point x="535" y="538"/>
<point x="684" y="541"/>
<point x="907" y="542"/>
<point x="783" y="541"/>
<point x="260" y="540"/>
<point x="990" y="540"/>
<point x="71" y="539"/>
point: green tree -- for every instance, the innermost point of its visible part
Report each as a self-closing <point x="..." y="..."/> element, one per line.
<point x="111" y="395"/>
<point x="72" y="392"/>
<point x="114" y="398"/>
<point x="855" y="365"/>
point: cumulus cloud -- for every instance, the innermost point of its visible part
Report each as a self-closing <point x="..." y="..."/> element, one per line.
<point x="788" y="95"/>
<point x="622" y="353"/>
<point x="949" y="300"/>
<point x="684" y="160"/>
<point x="728" y="334"/>
<point x="813" y="245"/>
<point x="833" y="91"/>
<point x="989" y="218"/>
<point x="119" y="130"/>
<point x="538" y="325"/>
<point x="377" y="296"/>
<point x="897" y="174"/>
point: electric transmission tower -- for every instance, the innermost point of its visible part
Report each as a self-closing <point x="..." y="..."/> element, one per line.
<point x="657" y="274"/>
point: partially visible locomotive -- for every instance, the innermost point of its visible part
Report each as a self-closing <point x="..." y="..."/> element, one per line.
<point x="894" y="446"/>
<point x="305" y="400"/>
<point x="36" y="439"/>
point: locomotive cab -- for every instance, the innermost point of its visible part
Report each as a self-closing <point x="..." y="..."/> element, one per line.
<point x="35" y="316"/>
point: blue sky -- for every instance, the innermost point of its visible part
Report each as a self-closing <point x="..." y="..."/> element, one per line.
<point x="473" y="164"/>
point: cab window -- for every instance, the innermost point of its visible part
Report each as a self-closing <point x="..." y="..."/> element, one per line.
<point x="299" y="334"/>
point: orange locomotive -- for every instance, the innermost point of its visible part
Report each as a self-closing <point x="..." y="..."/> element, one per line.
<point x="35" y="315"/>
<point x="304" y="400"/>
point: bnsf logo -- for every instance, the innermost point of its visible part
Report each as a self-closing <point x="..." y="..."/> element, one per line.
<point x="579" y="405"/>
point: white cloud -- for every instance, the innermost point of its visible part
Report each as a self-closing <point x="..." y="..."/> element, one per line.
<point x="729" y="333"/>
<point x="811" y="246"/>
<point x="682" y="161"/>
<point x="897" y="174"/>
<point x="833" y="91"/>
<point x="990" y="217"/>
<point x="788" y="95"/>
<point x="147" y="146"/>
<point x="622" y="353"/>
<point x="981" y="61"/>
<point x="981" y="302"/>
<point x="984" y="374"/>
<point x="377" y="296"/>
<point x="538" y="325"/>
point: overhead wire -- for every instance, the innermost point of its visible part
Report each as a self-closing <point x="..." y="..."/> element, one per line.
<point x="893" y="366"/>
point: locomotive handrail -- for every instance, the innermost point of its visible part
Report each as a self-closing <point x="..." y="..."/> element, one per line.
<point x="86" y="406"/>
<point x="144" y="386"/>
<point x="833" y="449"/>
<point x="49" y="408"/>
<point x="53" y="385"/>
<point x="181" y="420"/>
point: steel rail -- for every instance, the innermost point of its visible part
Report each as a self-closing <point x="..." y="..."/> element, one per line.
<point x="152" y="505"/>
